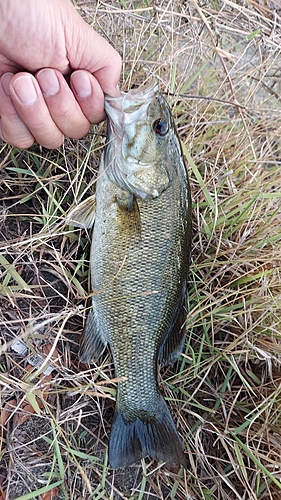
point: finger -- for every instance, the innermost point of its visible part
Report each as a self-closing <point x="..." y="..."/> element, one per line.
<point x="97" y="56"/>
<point x="12" y="129"/>
<point x="62" y="105"/>
<point x="108" y="74"/>
<point x="33" y="111"/>
<point x="88" y="94"/>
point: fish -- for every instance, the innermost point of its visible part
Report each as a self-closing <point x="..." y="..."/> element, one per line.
<point x="139" y="261"/>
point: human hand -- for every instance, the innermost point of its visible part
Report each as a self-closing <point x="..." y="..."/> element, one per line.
<point x="41" y="43"/>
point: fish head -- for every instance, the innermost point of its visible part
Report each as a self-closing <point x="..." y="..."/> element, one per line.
<point x="139" y="129"/>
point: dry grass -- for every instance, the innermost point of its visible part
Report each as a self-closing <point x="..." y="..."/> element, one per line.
<point x="219" y="63"/>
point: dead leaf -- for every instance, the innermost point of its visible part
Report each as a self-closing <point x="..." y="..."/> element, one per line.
<point x="6" y="411"/>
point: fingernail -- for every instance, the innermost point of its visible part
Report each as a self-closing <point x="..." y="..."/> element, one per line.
<point x="5" y="80"/>
<point x="25" y="90"/>
<point x="81" y="84"/>
<point x="48" y="82"/>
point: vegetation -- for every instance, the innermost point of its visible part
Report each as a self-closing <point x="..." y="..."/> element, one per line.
<point x="218" y="62"/>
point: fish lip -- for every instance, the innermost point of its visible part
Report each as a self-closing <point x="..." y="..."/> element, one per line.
<point x="133" y="99"/>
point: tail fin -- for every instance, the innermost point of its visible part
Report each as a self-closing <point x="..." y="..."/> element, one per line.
<point x="156" y="437"/>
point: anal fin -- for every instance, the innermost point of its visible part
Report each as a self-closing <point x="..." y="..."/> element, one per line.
<point x="93" y="342"/>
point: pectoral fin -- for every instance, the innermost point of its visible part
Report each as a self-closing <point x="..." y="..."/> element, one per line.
<point x="129" y="217"/>
<point x="83" y="215"/>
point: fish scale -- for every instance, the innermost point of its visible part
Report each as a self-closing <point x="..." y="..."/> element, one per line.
<point x="139" y="264"/>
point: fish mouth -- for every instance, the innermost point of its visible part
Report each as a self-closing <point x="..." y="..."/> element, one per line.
<point x="134" y="101"/>
<point x="126" y="112"/>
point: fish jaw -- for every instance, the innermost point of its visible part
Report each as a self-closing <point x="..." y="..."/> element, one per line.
<point x="136" y="155"/>
<point x="131" y="106"/>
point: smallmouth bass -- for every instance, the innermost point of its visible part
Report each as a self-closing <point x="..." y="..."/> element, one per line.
<point x="139" y="260"/>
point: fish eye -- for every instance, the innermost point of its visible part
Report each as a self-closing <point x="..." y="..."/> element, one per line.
<point x="161" y="126"/>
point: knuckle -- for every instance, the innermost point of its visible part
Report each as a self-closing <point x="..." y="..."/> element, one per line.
<point x="78" y="134"/>
<point x="72" y="122"/>
<point x="17" y="138"/>
<point x="54" y="143"/>
<point x="47" y="134"/>
<point x="24" y="144"/>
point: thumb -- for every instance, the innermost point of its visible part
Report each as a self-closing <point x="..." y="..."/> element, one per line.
<point x="88" y="50"/>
